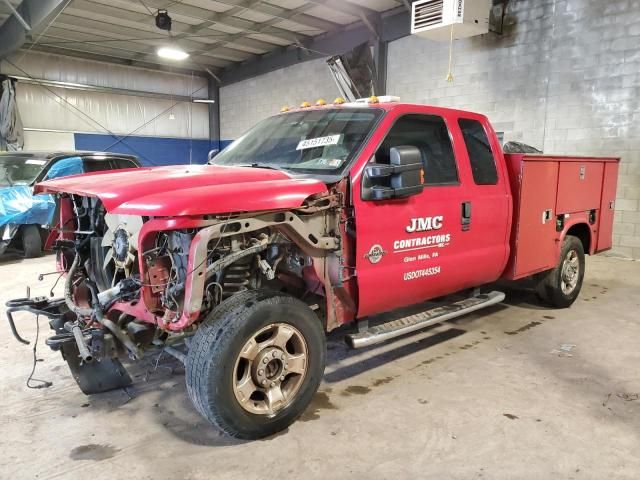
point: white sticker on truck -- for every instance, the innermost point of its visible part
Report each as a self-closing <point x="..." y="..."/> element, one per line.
<point x="318" y="142"/>
<point x="31" y="161"/>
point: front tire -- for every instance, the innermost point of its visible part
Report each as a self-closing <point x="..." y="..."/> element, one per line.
<point x="255" y="363"/>
<point x="561" y="286"/>
<point x="31" y="241"/>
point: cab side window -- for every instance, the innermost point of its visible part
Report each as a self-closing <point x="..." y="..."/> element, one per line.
<point x="429" y="133"/>
<point x="96" y="165"/>
<point x="123" y="163"/>
<point x="483" y="164"/>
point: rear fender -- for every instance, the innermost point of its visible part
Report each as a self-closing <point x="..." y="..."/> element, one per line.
<point x="577" y="224"/>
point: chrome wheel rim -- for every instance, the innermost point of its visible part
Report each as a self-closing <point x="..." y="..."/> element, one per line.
<point x="570" y="272"/>
<point x="270" y="369"/>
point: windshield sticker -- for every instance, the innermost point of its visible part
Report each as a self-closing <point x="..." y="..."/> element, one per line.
<point x="318" y="142"/>
<point x="35" y="162"/>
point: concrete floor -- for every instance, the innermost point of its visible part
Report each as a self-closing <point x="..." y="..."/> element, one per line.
<point x="491" y="396"/>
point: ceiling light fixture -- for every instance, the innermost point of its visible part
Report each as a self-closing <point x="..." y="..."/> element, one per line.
<point x="172" y="53"/>
<point x="203" y="100"/>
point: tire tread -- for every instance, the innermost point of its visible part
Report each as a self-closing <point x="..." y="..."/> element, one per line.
<point x="203" y="357"/>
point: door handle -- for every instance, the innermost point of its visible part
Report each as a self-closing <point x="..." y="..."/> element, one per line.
<point x="465" y="218"/>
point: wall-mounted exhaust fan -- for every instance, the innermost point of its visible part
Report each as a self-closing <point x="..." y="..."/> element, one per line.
<point x="434" y="19"/>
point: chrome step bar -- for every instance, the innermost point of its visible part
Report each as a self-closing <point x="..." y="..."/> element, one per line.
<point x="386" y="331"/>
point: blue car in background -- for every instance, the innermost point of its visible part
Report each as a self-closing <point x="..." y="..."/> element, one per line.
<point x="25" y="219"/>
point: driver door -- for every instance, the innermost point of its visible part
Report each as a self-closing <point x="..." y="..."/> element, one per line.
<point x="420" y="247"/>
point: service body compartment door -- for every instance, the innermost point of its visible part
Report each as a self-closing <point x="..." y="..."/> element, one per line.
<point x="579" y="186"/>
<point x="607" y="207"/>
<point x="535" y="246"/>
<point x="436" y="242"/>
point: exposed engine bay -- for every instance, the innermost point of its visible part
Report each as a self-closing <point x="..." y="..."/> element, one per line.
<point x="132" y="284"/>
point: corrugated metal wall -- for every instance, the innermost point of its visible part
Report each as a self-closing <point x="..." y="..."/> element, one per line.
<point x="52" y="116"/>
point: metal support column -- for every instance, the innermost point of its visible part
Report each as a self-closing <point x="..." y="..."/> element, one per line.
<point x="214" y="113"/>
<point x="380" y="49"/>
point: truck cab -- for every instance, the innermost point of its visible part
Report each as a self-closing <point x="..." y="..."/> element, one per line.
<point x="448" y="235"/>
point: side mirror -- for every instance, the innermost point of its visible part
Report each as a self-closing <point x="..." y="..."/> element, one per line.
<point x="400" y="179"/>
<point x="212" y="154"/>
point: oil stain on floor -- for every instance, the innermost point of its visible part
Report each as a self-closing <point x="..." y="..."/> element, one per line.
<point x="524" y="328"/>
<point x="355" y="390"/>
<point x="93" y="451"/>
<point x="320" y="402"/>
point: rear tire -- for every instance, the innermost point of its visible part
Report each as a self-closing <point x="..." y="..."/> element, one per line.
<point x="561" y="286"/>
<point x="255" y="363"/>
<point x="31" y="241"/>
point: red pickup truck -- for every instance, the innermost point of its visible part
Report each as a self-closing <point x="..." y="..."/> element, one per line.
<point x="317" y="217"/>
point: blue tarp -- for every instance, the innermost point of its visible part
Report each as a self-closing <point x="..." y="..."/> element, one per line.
<point x="18" y="205"/>
<point x="65" y="167"/>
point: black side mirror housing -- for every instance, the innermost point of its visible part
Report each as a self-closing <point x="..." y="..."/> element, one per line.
<point x="401" y="178"/>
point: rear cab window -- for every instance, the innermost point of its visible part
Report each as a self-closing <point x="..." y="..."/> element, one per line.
<point x="481" y="158"/>
<point x="123" y="163"/>
<point x="99" y="165"/>
<point x="91" y="165"/>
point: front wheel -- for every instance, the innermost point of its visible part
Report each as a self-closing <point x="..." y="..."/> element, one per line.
<point x="561" y="286"/>
<point x="255" y="363"/>
<point x="31" y="241"/>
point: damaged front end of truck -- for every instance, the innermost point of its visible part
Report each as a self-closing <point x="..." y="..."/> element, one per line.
<point x="237" y="268"/>
<point x="136" y="283"/>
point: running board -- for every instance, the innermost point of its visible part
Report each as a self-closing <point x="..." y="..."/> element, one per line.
<point x="386" y="331"/>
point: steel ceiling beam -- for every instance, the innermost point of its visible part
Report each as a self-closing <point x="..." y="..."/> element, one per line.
<point x="119" y="60"/>
<point x="246" y="5"/>
<point x="407" y="4"/>
<point x="290" y="14"/>
<point x="16" y="14"/>
<point x="116" y="91"/>
<point x="392" y="25"/>
<point x="275" y="11"/>
<point x="145" y="22"/>
<point x="226" y="18"/>
<point x="77" y="40"/>
<point x="343" y="6"/>
<point x="36" y="13"/>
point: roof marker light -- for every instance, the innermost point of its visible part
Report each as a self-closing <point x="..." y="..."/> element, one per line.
<point x="320" y="102"/>
<point x="305" y="105"/>
<point x="338" y="101"/>
<point x="284" y="109"/>
<point x="381" y="99"/>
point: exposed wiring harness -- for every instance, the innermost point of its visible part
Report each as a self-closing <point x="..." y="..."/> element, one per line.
<point x="42" y="383"/>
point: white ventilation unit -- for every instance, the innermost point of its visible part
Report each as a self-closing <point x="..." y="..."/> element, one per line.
<point x="434" y="19"/>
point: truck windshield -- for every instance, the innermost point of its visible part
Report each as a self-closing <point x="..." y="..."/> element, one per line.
<point x="322" y="141"/>
<point x="19" y="169"/>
